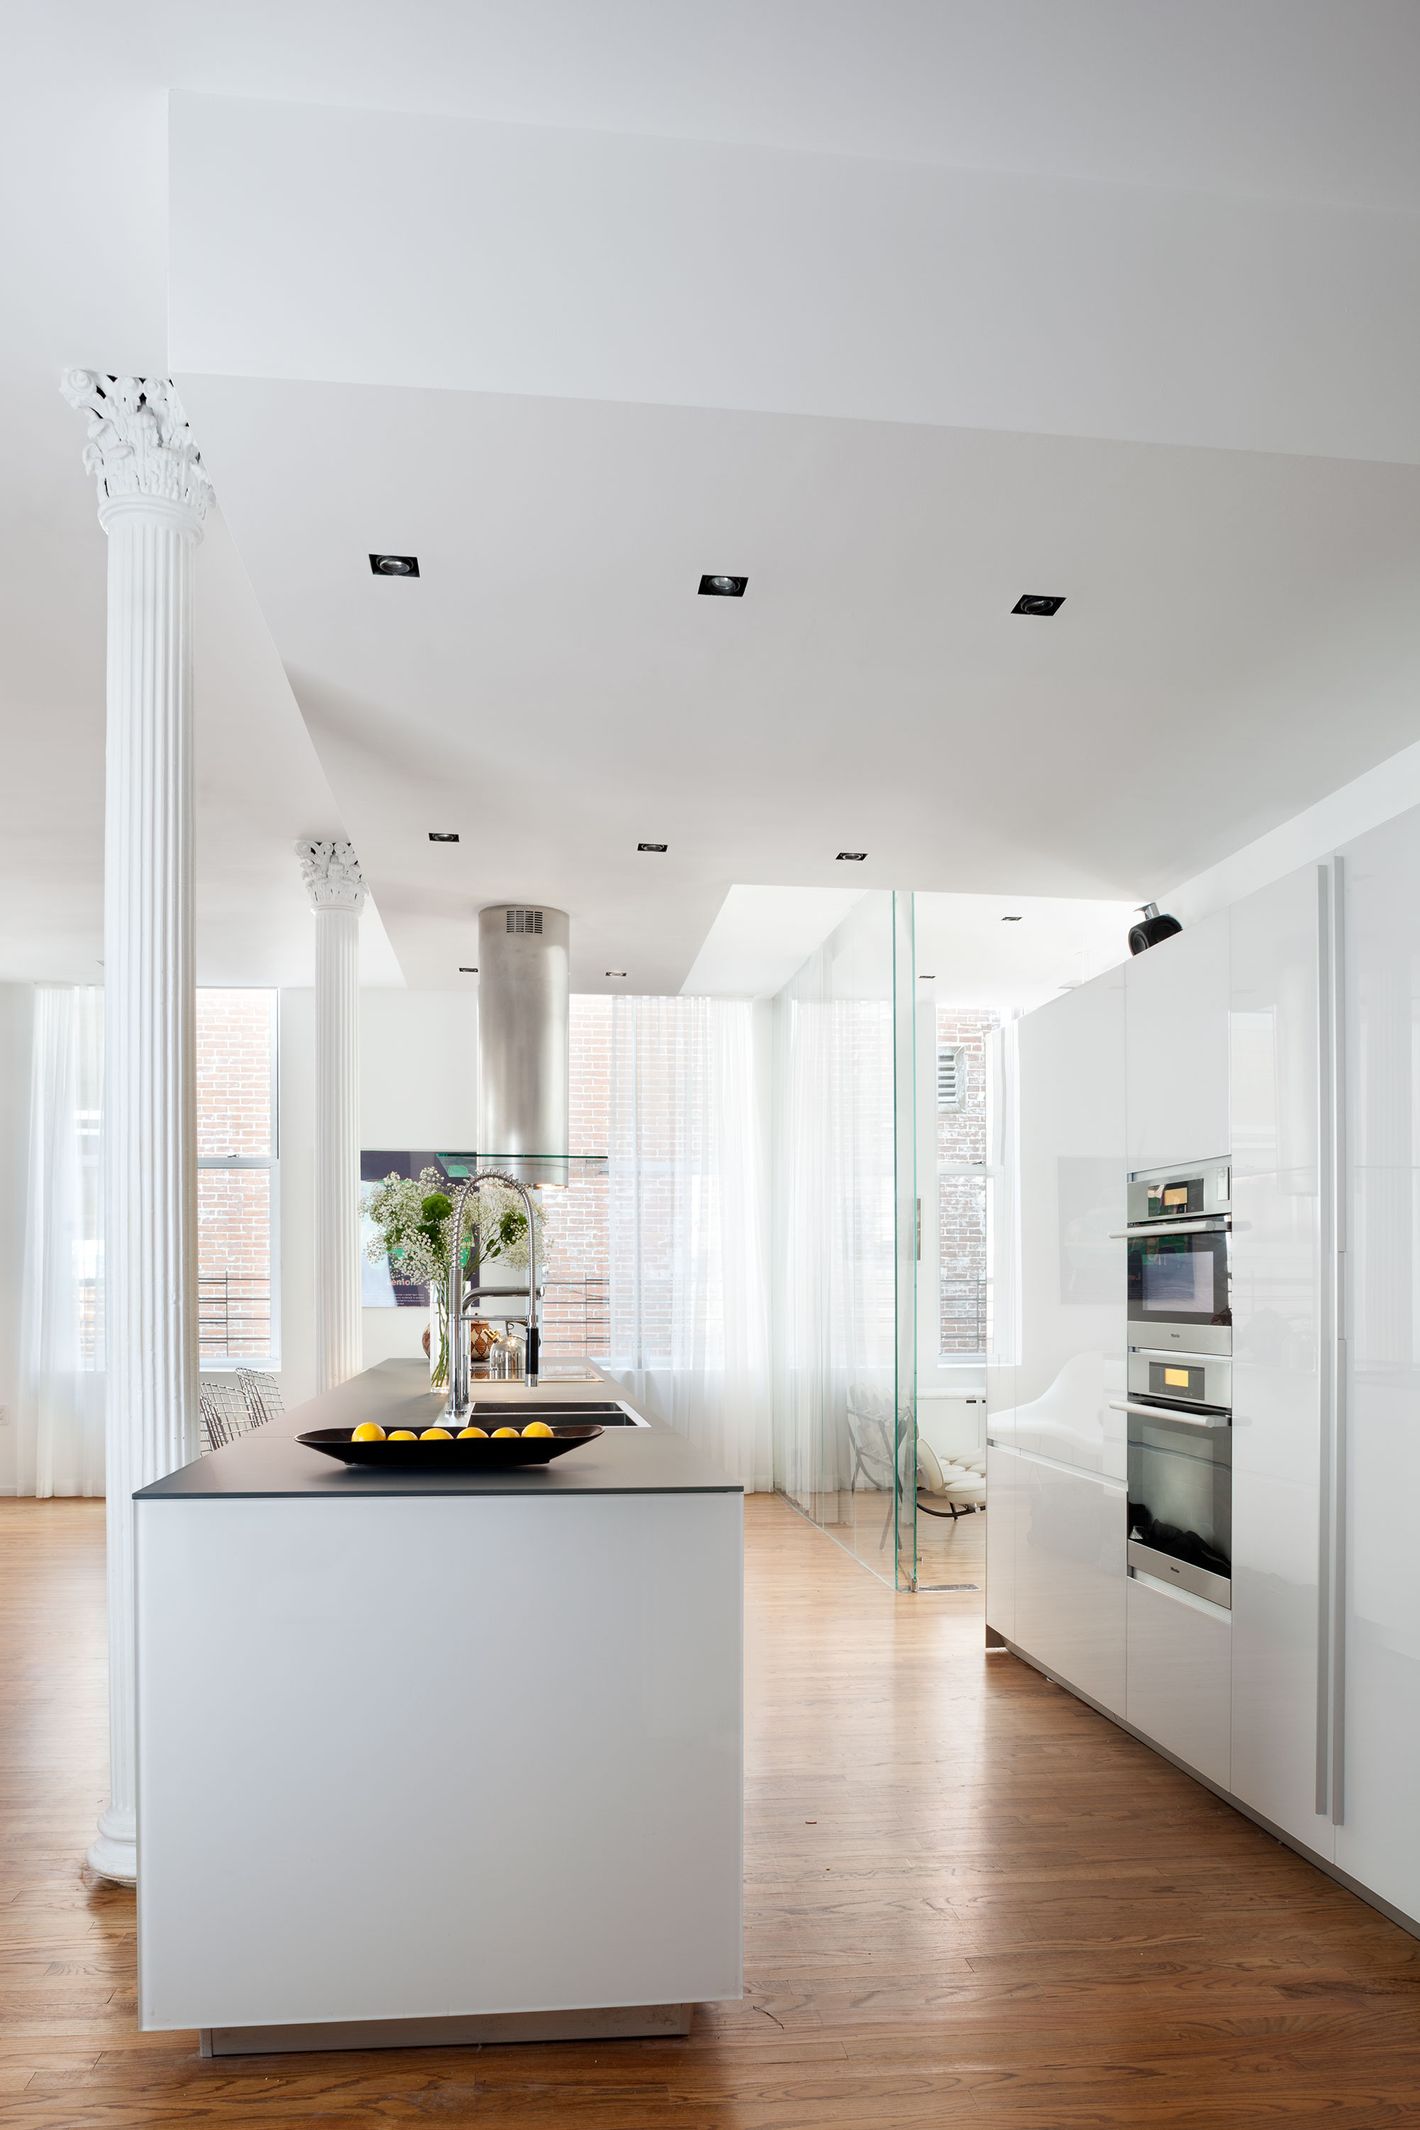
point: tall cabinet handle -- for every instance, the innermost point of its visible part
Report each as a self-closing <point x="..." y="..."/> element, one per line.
<point x="1338" y="1275"/>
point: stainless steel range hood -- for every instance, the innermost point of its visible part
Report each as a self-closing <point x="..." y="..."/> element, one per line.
<point x="522" y="1041"/>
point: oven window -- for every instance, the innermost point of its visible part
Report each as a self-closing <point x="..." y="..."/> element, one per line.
<point x="1177" y="1279"/>
<point x="1180" y="1279"/>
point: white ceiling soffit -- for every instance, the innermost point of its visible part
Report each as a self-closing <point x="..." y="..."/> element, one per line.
<point x="1240" y="635"/>
<point x="376" y="247"/>
<point x="1007" y="952"/>
<point x="762" y="935"/>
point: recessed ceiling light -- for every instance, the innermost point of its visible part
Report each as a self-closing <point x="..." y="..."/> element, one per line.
<point x="443" y="835"/>
<point x="924" y="978"/>
<point x="394" y="565"/>
<point x="851" y="857"/>
<point x="616" y="972"/>
<point x="465" y="970"/>
<point x="1010" y="920"/>
<point x="722" y="587"/>
<point x="653" y="846"/>
<point x="1038" y="603"/>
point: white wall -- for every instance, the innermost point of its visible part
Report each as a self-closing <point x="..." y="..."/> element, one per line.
<point x="16" y="1022"/>
<point x="418" y="1088"/>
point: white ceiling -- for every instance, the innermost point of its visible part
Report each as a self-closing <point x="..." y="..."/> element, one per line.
<point x="1304" y="99"/>
<point x="940" y="226"/>
<point x="1240" y="633"/>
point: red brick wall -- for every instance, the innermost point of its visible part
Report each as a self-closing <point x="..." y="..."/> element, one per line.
<point x="236" y="1033"/>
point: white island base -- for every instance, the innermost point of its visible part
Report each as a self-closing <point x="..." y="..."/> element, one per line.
<point x="461" y="1763"/>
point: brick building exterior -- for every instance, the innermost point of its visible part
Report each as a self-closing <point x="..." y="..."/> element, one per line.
<point x="962" y="1201"/>
<point x="236" y="1037"/>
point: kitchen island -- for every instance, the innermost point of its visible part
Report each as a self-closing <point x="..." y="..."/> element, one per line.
<point x="438" y="1757"/>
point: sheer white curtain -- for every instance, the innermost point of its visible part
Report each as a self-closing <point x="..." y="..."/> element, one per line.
<point x="834" y="1236"/>
<point x="686" y="1214"/>
<point x="60" y="1412"/>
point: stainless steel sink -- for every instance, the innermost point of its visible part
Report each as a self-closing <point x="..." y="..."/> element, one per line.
<point x="606" y="1413"/>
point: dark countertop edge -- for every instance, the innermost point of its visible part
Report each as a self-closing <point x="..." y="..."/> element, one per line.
<point x="361" y="1491"/>
<point x="271" y="1447"/>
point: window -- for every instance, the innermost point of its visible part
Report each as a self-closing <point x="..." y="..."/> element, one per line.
<point x="964" y="1181"/>
<point x="951" y="1075"/>
<point x="236" y="1178"/>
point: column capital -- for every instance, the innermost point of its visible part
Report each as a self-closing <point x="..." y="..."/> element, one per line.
<point x="332" y="873"/>
<point x="140" y="446"/>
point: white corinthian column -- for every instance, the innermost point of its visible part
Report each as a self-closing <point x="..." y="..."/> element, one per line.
<point x="153" y="494"/>
<point x="337" y="892"/>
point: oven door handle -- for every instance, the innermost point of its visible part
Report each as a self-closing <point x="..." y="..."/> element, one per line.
<point x="1170" y="1412"/>
<point x="1214" y="1224"/>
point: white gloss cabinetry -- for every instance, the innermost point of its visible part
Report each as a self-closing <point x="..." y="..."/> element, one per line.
<point x="1275" y="1034"/>
<point x="1177" y="1048"/>
<point x="1378" y="1835"/>
<point x="1069" y="1184"/>
<point x="1055" y="1558"/>
<point x="1069" y="1576"/>
<point x="1003" y="1492"/>
<point x="1179" y="1677"/>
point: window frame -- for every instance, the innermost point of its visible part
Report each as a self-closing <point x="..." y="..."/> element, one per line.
<point x="222" y="1365"/>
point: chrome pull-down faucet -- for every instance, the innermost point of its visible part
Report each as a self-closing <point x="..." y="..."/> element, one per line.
<point x="457" y="1407"/>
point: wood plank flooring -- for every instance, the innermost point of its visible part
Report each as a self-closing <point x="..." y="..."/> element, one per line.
<point x="970" y="1902"/>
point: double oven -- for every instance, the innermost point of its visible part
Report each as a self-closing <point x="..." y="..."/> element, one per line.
<point x="1179" y="1381"/>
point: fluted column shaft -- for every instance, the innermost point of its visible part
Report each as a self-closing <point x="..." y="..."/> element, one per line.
<point x="337" y="1163"/>
<point x="337" y="891"/>
<point x="153" y="492"/>
<point x="150" y="1154"/>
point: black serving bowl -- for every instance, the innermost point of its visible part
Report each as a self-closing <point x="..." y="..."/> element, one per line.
<point x="477" y="1454"/>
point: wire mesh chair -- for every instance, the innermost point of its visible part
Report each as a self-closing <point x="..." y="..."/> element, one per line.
<point x="224" y="1414"/>
<point x="262" y="1394"/>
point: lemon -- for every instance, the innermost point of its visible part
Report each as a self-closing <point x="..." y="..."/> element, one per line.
<point x="401" y="1434"/>
<point x="503" y="1431"/>
<point x="368" y="1431"/>
<point x="537" y="1427"/>
<point x="436" y="1434"/>
<point x="465" y="1432"/>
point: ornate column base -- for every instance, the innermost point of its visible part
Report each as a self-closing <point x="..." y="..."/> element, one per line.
<point x="113" y="1853"/>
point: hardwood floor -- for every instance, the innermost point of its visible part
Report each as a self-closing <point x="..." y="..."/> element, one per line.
<point x="970" y="1902"/>
<point x="952" y="1552"/>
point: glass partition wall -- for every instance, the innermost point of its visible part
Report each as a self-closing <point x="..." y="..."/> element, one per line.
<point x="845" y="1237"/>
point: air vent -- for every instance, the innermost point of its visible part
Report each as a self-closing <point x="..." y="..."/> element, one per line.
<point x="525" y="920"/>
<point x="951" y="1076"/>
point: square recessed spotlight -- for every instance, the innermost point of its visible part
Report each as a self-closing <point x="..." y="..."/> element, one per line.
<point x="443" y="835"/>
<point x="722" y="587"/>
<point x="1010" y="920"/>
<point x="394" y="565"/>
<point x="851" y="857"/>
<point x="653" y="847"/>
<point x="616" y="972"/>
<point x="466" y="970"/>
<point x="1039" y="603"/>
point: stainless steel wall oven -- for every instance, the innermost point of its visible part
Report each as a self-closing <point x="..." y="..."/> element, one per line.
<point x="1177" y="1252"/>
<point x="1179" y="1401"/>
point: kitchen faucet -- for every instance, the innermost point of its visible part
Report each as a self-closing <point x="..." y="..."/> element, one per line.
<point x="457" y="1407"/>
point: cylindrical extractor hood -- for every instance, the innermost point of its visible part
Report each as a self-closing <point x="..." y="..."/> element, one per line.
<point x="522" y="1041"/>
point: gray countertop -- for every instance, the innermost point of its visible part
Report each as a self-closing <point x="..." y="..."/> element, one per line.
<point x="270" y="1464"/>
